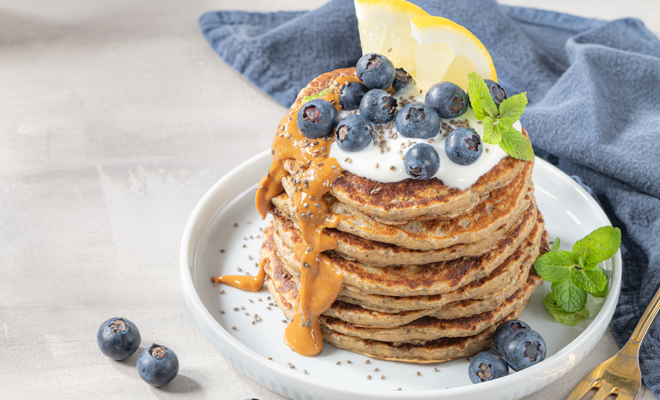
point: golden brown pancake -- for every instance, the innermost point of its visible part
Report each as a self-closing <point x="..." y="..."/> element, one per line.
<point x="500" y="207"/>
<point x="415" y="280"/>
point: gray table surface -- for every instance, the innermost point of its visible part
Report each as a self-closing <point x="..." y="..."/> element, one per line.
<point x="115" y="118"/>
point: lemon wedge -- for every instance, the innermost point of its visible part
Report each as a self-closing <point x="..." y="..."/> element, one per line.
<point x="446" y="51"/>
<point x="384" y="27"/>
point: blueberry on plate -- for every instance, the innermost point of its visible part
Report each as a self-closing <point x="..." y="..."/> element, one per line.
<point x="157" y="365"/>
<point x="375" y="71"/>
<point x="524" y="349"/>
<point x="402" y="79"/>
<point x="378" y="106"/>
<point x="317" y="118"/>
<point x="351" y="95"/>
<point x="463" y="146"/>
<point x="447" y="99"/>
<point x="487" y="366"/>
<point x="417" y="120"/>
<point x="505" y="330"/>
<point x="354" y="133"/>
<point x="421" y="161"/>
<point x="496" y="91"/>
<point x="118" y="338"/>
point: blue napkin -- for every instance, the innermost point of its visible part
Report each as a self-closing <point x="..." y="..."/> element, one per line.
<point x="594" y="106"/>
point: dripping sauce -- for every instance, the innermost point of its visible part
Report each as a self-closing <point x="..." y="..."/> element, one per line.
<point x="315" y="173"/>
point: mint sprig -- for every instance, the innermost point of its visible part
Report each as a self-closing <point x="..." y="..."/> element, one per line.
<point x="498" y="121"/>
<point x="563" y="316"/>
<point x="316" y="96"/>
<point x="575" y="273"/>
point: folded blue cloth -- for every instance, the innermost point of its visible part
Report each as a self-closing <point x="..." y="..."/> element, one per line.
<point x="594" y="106"/>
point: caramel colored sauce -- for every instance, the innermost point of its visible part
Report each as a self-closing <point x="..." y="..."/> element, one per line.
<point x="247" y="283"/>
<point x="315" y="173"/>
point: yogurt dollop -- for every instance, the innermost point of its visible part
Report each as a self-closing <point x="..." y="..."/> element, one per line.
<point x="382" y="160"/>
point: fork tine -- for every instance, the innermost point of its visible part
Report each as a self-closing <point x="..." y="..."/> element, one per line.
<point x="624" y="395"/>
<point x="583" y="387"/>
<point x="605" y="391"/>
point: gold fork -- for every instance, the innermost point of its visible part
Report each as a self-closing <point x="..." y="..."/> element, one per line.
<point x="620" y="376"/>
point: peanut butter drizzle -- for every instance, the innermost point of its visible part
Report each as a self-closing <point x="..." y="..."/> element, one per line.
<point x="315" y="173"/>
<point x="247" y="283"/>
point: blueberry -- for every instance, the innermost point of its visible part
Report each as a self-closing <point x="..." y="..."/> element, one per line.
<point x="422" y="161"/>
<point x="463" y="146"/>
<point x="487" y="366"/>
<point x="354" y="133"/>
<point x="524" y="349"/>
<point x="118" y="338"/>
<point x="375" y="70"/>
<point x="378" y="106"/>
<point x="157" y="365"/>
<point x="505" y="330"/>
<point x="496" y="91"/>
<point x="447" y="99"/>
<point x="351" y="95"/>
<point x="317" y="118"/>
<point x="402" y="79"/>
<point x="417" y="120"/>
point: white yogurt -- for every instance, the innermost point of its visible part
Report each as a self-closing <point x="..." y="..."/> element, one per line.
<point x="387" y="165"/>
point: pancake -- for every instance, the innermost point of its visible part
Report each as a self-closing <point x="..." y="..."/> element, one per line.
<point x="502" y="206"/>
<point x="360" y="316"/>
<point x="426" y="329"/>
<point x="410" y="200"/>
<point x="377" y="253"/>
<point x="378" y="310"/>
<point x="436" y="351"/>
<point x="439" y="350"/>
<point x="415" y="280"/>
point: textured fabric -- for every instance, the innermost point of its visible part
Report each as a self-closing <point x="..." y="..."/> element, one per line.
<point x="594" y="106"/>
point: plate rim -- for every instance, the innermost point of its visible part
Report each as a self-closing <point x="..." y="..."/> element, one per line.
<point x="195" y="304"/>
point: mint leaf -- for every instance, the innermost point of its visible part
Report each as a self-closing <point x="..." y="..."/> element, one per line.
<point x="570" y="297"/>
<point x="555" y="245"/>
<point x="555" y="266"/>
<point x="513" y="107"/>
<point x="598" y="246"/>
<point x="496" y="137"/>
<point x="316" y="96"/>
<point x="488" y="129"/>
<point x="516" y="144"/>
<point x="589" y="280"/>
<point x="561" y="316"/>
<point x="603" y="292"/>
<point x="480" y="98"/>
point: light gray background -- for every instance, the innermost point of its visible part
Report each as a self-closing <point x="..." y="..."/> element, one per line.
<point x="115" y="118"/>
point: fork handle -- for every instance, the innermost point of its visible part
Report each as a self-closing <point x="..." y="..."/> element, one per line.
<point x="647" y="319"/>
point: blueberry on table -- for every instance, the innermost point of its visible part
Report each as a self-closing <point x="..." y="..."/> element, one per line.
<point x="354" y="133"/>
<point x="317" y="118"/>
<point x="375" y="71"/>
<point x="417" y="120"/>
<point x="505" y="330"/>
<point x="402" y="79"/>
<point x="487" y="366"/>
<point x="421" y="161"/>
<point x="378" y="106"/>
<point x="496" y="91"/>
<point x="118" y="338"/>
<point x="447" y="99"/>
<point x="157" y="365"/>
<point x="351" y="95"/>
<point x="463" y="146"/>
<point x="524" y="349"/>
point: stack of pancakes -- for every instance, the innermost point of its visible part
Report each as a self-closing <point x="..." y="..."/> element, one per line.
<point x="429" y="271"/>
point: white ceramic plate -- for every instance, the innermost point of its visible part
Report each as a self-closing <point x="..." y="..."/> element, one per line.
<point x="569" y="211"/>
